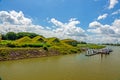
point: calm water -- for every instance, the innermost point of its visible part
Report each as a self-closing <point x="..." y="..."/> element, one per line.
<point x="67" y="67"/>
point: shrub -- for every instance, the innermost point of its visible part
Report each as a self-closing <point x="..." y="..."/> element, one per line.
<point x="45" y="48"/>
<point x="32" y="45"/>
<point x="11" y="45"/>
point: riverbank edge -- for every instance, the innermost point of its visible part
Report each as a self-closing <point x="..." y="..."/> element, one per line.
<point x="7" y="54"/>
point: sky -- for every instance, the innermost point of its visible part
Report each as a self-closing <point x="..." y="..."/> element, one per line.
<point x="93" y="21"/>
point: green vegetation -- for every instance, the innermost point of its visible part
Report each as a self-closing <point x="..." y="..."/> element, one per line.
<point x="14" y="36"/>
<point x="91" y="46"/>
<point x="70" y="42"/>
<point x="25" y="45"/>
<point x="38" y="39"/>
<point x="112" y="44"/>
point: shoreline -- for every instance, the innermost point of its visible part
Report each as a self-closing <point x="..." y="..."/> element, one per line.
<point x="7" y="54"/>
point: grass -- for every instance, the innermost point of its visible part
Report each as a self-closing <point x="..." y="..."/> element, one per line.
<point x="91" y="46"/>
<point x="38" y="39"/>
<point x="25" y="39"/>
<point x="70" y="42"/>
<point x="4" y="42"/>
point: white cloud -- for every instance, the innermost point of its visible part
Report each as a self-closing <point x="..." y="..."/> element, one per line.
<point x="102" y="16"/>
<point x="102" y="39"/>
<point x="56" y="23"/>
<point x="116" y="27"/>
<point x="17" y="22"/>
<point x="116" y="12"/>
<point x="100" y="28"/>
<point x="112" y="3"/>
<point x="69" y="28"/>
<point x="94" y="24"/>
<point x="13" y="17"/>
<point x="104" y="33"/>
<point x="109" y="30"/>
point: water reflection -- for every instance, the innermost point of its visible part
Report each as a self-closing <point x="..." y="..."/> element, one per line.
<point x="104" y="56"/>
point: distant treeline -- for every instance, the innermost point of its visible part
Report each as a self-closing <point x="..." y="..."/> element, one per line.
<point x="14" y="36"/>
<point x="112" y="44"/>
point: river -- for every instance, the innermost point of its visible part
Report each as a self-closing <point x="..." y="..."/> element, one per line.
<point x="65" y="67"/>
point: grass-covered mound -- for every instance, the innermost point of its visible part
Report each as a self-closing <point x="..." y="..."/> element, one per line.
<point x="70" y="42"/>
<point x="63" y="46"/>
<point x="26" y="41"/>
<point x="53" y="41"/>
<point x="38" y="39"/>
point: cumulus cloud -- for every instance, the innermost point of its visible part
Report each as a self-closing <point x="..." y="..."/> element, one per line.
<point x="17" y="22"/>
<point x="111" y="30"/>
<point x="69" y="28"/>
<point x="112" y="3"/>
<point x="105" y="32"/>
<point x="13" y="17"/>
<point x="100" y="28"/>
<point x="102" y="16"/>
<point x="116" y="12"/>
<point x="102" y="39"/>
<point x="116" y="27"/>
<point x="94" y="24"/>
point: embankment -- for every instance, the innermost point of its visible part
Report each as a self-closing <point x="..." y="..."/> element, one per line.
<point x="23" y="53"/>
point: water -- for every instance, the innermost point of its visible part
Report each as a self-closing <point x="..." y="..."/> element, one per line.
<point x="66" y="67"/>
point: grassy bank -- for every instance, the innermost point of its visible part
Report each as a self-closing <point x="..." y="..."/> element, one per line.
<point x="22" y="53"/>
<point x="8" y="53"/>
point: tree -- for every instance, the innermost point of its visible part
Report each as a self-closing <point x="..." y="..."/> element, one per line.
<point x="14" y="36"/>
<point x="11" y="36"/>
<point x="23" y="34"/>
<point x="3" y="37"/>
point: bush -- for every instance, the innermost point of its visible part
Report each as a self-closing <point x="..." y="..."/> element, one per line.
<point x="45" y="48"/>
<point x="11" y="45"/>
<point x="32" y="45"/>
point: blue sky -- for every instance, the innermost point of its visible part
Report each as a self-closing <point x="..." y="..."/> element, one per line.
<point x="84" y="20"/>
